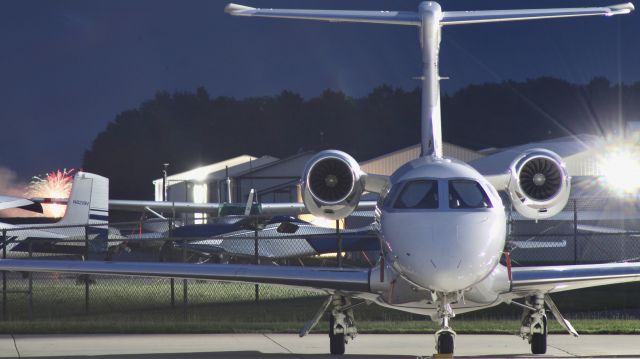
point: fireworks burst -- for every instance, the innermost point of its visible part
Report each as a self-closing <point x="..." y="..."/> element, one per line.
<point x="56" y="184"/>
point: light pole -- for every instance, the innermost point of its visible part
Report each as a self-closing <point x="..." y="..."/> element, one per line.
<point x="164" y="181"/>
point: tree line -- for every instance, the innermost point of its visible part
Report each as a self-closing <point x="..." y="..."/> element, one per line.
<point x="189" y="129"/>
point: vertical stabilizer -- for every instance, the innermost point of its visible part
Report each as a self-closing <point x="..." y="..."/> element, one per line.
<point x="89" y="200"/>
<point x="431" y="129"/>
<point x="87" y="208"/>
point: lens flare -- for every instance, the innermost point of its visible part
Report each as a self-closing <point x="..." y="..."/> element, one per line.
<point x="621" y="168"/>
<point x="56" y="184"/>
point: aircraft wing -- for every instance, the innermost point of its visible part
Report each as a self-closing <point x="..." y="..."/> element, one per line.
<point x="306" y="241"/>
<point x="326" y="279"/>
<point x="7" y="202"/>
<point x="223" y="209"/>
<point x="607" y="230"/>
<point x="551" y="279"/>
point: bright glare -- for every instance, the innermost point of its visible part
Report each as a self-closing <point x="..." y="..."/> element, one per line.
<point x="200" y="195"/>
<point x="320" y="222"/>
<point x="200" y="174"/>
<point x="56" y="184"/>
<point x="621" y="169"/>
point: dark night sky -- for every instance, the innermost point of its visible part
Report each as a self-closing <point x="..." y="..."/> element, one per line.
<point x="68" y="67"/>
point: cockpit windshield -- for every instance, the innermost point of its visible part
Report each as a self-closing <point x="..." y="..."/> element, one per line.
<point x="421" y="194"/>
<point x="467" y="194"/>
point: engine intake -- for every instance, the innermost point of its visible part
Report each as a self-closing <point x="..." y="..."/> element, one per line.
<point x="541" y="178"/>
<point x="332" y="184"/>
<point x="330" y="180"/>
<point x="540" y="185"/>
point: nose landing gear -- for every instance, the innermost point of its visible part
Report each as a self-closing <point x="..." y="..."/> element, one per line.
<point x="445" y="336"/>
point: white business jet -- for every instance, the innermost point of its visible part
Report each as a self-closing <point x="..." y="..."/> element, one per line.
<point x="440" y="222"/>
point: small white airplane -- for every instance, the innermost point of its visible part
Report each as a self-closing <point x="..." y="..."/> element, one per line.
<point x="440" y="222"/>
<point x="87" y="209"/>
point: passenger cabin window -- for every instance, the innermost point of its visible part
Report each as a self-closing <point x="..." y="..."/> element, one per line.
<point x="421" y="194"/>
<point x="467" y="194"/>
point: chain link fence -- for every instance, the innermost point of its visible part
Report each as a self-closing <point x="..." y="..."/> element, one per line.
<point x="253" y="240"/>
<point x="587" y="231"/>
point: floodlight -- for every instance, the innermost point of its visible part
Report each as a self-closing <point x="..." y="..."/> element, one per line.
<point x="621" y="170"/>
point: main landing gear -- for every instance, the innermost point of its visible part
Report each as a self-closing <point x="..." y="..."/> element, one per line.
<point x="534" y="321"/>
<point x="445" y="336"/>
<point x="341" y="325"/>
<point x="534" y="324"/>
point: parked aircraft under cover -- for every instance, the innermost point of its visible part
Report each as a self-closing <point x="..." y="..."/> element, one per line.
<point x="441" y="223"/>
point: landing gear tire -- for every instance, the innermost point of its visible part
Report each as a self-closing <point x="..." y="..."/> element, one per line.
<point x="336" y="341"/>
<point x="445" y="343"/>
<point x="539" y="340"/>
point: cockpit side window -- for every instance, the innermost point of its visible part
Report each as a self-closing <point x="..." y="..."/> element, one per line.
<point x="465" y="194"/>
<point x="420" y="194"/>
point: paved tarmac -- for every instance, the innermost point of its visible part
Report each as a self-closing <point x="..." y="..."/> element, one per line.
<point x="274" y="346"/>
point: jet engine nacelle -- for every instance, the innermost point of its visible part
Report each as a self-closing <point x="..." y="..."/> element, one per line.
<point x="332" y="184"/>
<point x="539" y="186"/>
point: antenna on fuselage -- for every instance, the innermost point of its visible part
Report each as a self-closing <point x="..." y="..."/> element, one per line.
<point x="430" y="18"/>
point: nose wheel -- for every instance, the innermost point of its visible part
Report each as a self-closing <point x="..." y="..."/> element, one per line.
<point x="444" y="343"/>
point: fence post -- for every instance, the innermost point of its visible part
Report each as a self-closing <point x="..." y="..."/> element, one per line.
<point x="172" y="281"/>
<point x="86" y="277"/>
<point x="575" y="231"/>
<point x="256" y="255"/>
<point x="4" y="276"/>
<point x="30" y="288"/>
<point x="339" y="239"/>
<point x="185" y="297"/>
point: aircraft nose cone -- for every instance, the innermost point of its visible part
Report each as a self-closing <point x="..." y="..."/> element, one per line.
<point x="446" y="275"/>
<point x="452" y="253"/>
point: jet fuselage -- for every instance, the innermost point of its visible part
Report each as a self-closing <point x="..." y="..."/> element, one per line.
<point x="442" y="223"/>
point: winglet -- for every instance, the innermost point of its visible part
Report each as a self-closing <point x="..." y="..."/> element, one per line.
<point x="235" y="9"/>
<point x="622" y="8"/>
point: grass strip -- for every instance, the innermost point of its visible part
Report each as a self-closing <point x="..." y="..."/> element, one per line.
<point x="366" y="327"/>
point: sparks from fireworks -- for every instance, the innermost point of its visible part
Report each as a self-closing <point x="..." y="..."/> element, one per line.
<point x="56" y="184"/>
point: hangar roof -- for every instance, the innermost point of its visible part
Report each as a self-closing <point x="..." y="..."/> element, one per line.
<point x="388" y="163"/>
<point x="217" y="170"/>
<point x="578" y="152"/>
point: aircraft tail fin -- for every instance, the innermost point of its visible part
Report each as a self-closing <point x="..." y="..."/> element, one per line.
<point x="89" y="200"/>
<point x="429" y="18"/>
<point x="88" y="206"/>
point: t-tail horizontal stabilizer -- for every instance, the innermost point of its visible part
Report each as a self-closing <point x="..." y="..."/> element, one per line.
<point x="378" y="17"/>
<point x="476" y="17"/>
<point x="414" y="18"/>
